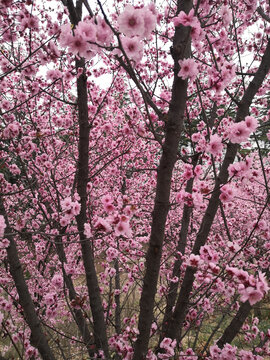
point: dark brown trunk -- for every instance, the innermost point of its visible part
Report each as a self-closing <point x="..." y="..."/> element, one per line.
<point x="38" y="338"/>
<point x="180" y="50"/>
<point x="174" y="326"/>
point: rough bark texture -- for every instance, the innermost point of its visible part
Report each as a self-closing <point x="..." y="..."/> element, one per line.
<point x="180" y="50"/>
<point x="181" y="246"/>
<point x="38" y="338"/>
<point x="174" y="326"/>
<point x="99" y="327"/>
<point x="78" y="315"/>
<point x="235" y="326"/>
<point x="82" y="178"/>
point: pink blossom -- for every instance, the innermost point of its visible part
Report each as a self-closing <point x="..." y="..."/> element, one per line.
<point x="228" y="352"/>
<point x="214" y="352"/>
<point x="87" y="231"/>
<point x="188" y="173"/>
<point x="53" y="74"/>
<point x="168" y="345"/>
<point x="131" y="22"/>
<point x="262" y="284"/>
<point x="86" y="30"/>
<point x="239" y="132"/>
<point x="57" y="281"/>
<point x="149" y="21"/>
<point x="225" y="15"/>
<point x="2" y="225"/>
<point x="250" y="294"/>
<point x="78" y="45"/>
<point x="123" y="228"/>
<point x="188" y="69"/>
<point x="66" y="203"/>
<point x="215" y="145"/>
<point x="65" y="35"/>
<point x="251" y="123"/>
<point x="185" y="19"/>
<point x="246" y="355"/>
<point x="107" y="199"/>
<point x="226" y="193"/>
<point x="3" y="243"/>
<point x="193" y="260"/>
<point x="111" y="254"/>
<point x="102" y="225"/>
<point x="64" y="221"/>
<point x="11" y="130"/>
<point x="104" y="33"/>
<point x="133" y="48"/>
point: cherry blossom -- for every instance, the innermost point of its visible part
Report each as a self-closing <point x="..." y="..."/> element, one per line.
<point x="188" y="69"/>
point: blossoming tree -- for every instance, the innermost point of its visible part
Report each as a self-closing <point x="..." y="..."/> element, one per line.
<point x="134" y="179"/>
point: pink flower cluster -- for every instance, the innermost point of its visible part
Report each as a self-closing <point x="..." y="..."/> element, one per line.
<point x="71" y="209"/>
<point x="188" y="69"/>
<point x="250" y="288"/>
<point x="88" y="33"/>
<point x="168" y="345"/>
<point x="12" y="130"/>
<point x="240" y="131"/>
<point x="241" y="168"/>
<point x="87" y="231"/>
<point x="107" y="202"/>
<point x="136" y="24"/>
<point x="2" y="225"/>
<point x="122" y="226"/>
<point x="229" y="352"/>
<point x="215" y="146"/>
<point x="189" y="20"/>
<point x="226" y="193"/>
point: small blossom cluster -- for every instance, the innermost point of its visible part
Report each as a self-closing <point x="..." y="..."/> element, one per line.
<point x="241" y="131"/>
<point x="188" y="69"/>
<point x="250" y="288"/>
<point x="136" y="24"/>
<point x="189" y="20"/>
<point x="12" y="130"/>
<point x="2" y="226"/>
<point x="221" y="78"/>
<point x="215" y="146"/>
<point x="240" y="169"/>
<point x="226" y="193"/>
<point x="70" y="209"/>
<point x="168" y="345"/>
<point x="229" y="352"/>
<point x="86" y="37"/>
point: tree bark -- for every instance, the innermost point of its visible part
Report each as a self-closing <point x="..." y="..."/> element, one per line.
<point x="82" y="179"/>
<point x="38" y="338"/>
<point x="174" y="326"/>
<point x="235" y="326"/>
<point x="180" y="50"/>
<point x="181" y="246"/>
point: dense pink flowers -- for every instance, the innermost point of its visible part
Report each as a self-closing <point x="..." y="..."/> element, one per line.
<point x="185" y="19"/>
<point x="251" y="123"/>
<point x="226" y="193"/>
<point x="215" y="145"/>
<point x="168" y="345"/>
<point x="133" y="48"/>
<point x="131" y="22"/>
<point x="188" y="69"/>
<point x="137" y="22"/>
<point x="2" y="225"/>
<point x="250" y="288"/>
<point x="240" y="131"/>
